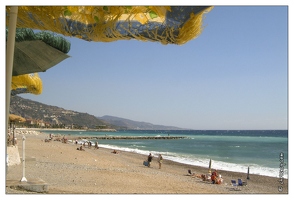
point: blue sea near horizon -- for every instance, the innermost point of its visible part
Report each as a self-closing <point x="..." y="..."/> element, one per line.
<point x="229" y="150"/>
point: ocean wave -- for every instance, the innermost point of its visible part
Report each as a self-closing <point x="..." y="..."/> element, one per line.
<point x="204" y="162"/>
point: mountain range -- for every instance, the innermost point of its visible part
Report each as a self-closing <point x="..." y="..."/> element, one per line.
<point x="130" y="124"/>
<point x="53" y="115"/>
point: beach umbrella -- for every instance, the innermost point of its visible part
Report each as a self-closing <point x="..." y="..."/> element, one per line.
<point x="209" y="167"/>
<point x="37" y="54"/>
<point x="16" y="118"/>
<point x="13" y="119"/>
<point x="26" y="83"/>
<point x="164" y="24"/>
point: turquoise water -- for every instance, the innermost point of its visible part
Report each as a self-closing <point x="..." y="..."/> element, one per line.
<point x="229" y="150"/>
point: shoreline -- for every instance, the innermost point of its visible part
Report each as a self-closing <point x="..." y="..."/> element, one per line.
<point x="73" y="137"/>
<point x="69" y="171"/>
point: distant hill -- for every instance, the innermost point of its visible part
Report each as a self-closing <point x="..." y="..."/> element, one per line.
<point x="55" y="115"/>
<point x="130" y="124"/>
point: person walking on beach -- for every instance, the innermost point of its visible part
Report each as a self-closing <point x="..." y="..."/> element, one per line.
<point x="149" y="159"/>
<point x="160" y="159"/>
<point x="96" y="145"/>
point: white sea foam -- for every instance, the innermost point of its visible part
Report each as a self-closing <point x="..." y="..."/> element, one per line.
<point x="204" y="162"/>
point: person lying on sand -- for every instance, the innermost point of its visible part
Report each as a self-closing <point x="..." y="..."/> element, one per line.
<point x="193" y="175"/>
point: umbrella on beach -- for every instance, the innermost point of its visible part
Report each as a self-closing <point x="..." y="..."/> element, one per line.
<point x="16" y="118"/>
<point x="209" y="167"/>
<point x="12" y="119"/>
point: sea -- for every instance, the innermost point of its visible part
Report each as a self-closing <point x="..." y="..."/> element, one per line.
<point x="262" y="152"/>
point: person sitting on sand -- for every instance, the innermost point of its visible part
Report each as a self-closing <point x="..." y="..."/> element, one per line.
<point x="219" y="180"/>
<point x="114" y="151"/>
<point x="214" y="176"/>
<point x="81" y="148"/>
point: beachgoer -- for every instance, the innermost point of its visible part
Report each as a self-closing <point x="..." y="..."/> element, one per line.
<point x="214" y="176"/>
<point x="160" y="159"/>
<point x="96" y="145"/>
<point x="64" y="139"/>
<point x="149" y="159"/>
<point x="219" y="179"/>
<point x="114" y="151"/>
<point x="190" y="173"/>
<point x="81" y="148"/>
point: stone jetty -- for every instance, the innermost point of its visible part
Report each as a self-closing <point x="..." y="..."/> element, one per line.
<point x="131" y="137"/>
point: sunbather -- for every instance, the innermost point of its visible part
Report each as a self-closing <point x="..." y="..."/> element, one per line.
<point x="81" y="148"/>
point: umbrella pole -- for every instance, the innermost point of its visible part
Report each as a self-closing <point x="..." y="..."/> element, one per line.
<point x="13" y="135"/>
<point x="23" y="179"/>
<point x="9" y="56"/>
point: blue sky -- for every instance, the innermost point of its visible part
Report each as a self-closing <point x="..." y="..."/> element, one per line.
<point x="233" y="76"/>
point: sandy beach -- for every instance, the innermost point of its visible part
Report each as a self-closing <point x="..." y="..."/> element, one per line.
<point x="67" y="170"/>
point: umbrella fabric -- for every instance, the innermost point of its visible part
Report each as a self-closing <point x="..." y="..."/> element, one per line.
<point x="27" y="83"/>
<point x="37" y="52"/>
<point x="35" y="56"/>
<point x="165" y="24"/>
<point x="209" y="167"/>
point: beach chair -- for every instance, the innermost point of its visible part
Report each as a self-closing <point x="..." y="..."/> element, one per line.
<point x="235" y="185"/>
<point x="241" y="183"/>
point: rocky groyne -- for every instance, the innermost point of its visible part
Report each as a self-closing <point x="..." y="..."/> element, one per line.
<point x="131" y="137"/>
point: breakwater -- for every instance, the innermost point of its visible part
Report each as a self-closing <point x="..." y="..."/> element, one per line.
<point x="131" y="137"/>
